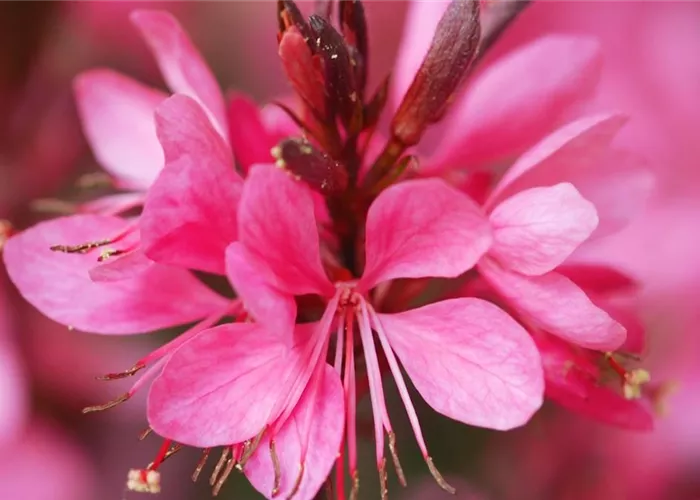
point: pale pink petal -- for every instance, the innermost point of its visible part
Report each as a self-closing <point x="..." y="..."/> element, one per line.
<point x="555" y="304"/>
<point x="269" y="306"/>
<point x="220" y="387"/>
<point x="189" y="217"/>
<point x="250" y="140"/>
<point x="577" y="145"/>
<point x="276" y="223"/>
<point x="325" y="413"/>
<point x="470" y="361"/>
<point x="53" y="282"/>
<point x="499" y="118"/>
<point x="181" y="64"/>
<point x="117" y="117"/>
<point x="536" y="230"/>
<point x="121" y="267"/>
<point x="423" y="228"/>
<point x="277" y="122"/>
<point x="421" y="21"/>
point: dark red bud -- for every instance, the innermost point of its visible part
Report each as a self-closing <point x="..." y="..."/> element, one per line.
<point x="288" y="16"/>
<point x="373" y="109"/>
<point x="304" y="71"/>
<point x="354" y="28"/>
<point x="311" y="165"/>
<point x="448" y="59"/>
<point x="341" y="86"/>
<point x="324" y="8"/>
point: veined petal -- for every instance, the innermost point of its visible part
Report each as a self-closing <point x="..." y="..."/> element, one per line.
<point x="502" y="112"/>
<point x="422" y="228"/>
<point x="555" y="304"/>
<point x="117" y="117"/>
<point x="576" y="146"/>
<point x="322" y="413"/>
<point x="189" y="217"/>
<point x="181" y="64"/>
<point x="276" y="223"/>
<point x="470" y="361"/>
<point x="220" y="387"/>
<point x="268" y="305"/>
<point x="121" y="267"/>
<point x="536" y="230"/>
<point x="250" y="140"/>
<point x="157" y="298"/>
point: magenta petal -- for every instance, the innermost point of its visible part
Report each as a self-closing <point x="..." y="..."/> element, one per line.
<point x="121" y="267"/>
<point x="181" y="64"/>
<point x="578" y="145"/>
<point x="276" y="223"/>
<point x="269" y="306"/>
<point x="220" y="387"/>
<point x="189" y="217"/>
<point x="536" y="230"/>
<point x="555" y="304"/>
<point x="58" y="284"/>
<point x="117" y="117"/>
<point x="325" y="413"/>
<point x="423" y="228"/>
<point x="470" y="361"/>
<point x="250" y="141"/>
<point x="497" y="118"/>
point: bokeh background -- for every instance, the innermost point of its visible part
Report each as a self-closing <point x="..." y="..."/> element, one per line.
<point x="50" y="451"/>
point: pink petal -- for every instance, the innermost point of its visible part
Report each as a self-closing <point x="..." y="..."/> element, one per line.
<point x="117" y="117"/>
<point x="422" y="228"/>
<point x="419" y="27"/>
<point x="250" y="140"/>
<point x="189" y="217"/>
<point x="325" y="414"/>
<point x="536" y="230"/>
<point x="599" y="278"/>
<point x="220" y="387"/>
<point x="578" y="145"/>
<point x="555" y="304"/>
<point x="121" y="267"/>
<point x="274" y="309"/>
<point x="181" y="64"/>
<point x="114" y="204"/>
<point x="276" y="223"/>
<point x="497" y="118"/>
<point x="470" y="361"/>
<point x="58" y="284"/>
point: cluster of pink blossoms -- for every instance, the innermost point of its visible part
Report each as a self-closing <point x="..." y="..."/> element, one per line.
<point x="332" y="240"/>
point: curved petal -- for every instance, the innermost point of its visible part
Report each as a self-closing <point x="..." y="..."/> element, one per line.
<point x="470" y="361"/>
<point x="274" y="309"/>
<point x="555" y="304"/>
<point x="220" y="387"/>
<point x="117" y="117"/>
<point x="423" y="228"/>
<point x="504" y="111"/>
<point x="181" y="64"/>
<point x="58" y="284"/>
<point x="250" y="140"/>
<point x="422" y="19"/>
<point x="576" y="146"/>
<point x="276" y="223"/>
<point x="189" y="217"/>
<point x="536" y="230"/>
<point x="316" y="426"/>
<point x="121" y="267"/>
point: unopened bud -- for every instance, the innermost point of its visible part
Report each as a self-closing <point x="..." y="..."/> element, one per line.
<point x="353" y="25"/>
<point x="304" y="70"/>
<point x="311" y="165"/>
<point x="289" y="16"/>
<point x="448" y="59"/>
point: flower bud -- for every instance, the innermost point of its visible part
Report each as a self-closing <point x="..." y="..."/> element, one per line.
<point x="311" y="165"/>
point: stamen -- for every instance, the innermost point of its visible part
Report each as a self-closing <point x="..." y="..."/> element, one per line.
<point x="395" y="458"/>
<point x="339" y="339"/>
<point x="219" y="465"/>
<point x="438" y="477"/>
<point x="81" y="248"/>
<point x="276" y="468"/>
<point x="227" y="472"/>
<point x="383" y="490"/>
<point x="108" y="253"/>
<point x="111" y="404"/>
<point x="127" y="373"/>
<point x="165" y="452"/>
<point x="355" y="490"/>
<point x="143" y="481"/>
<point x="200" y="464"/>
<point x="53" y="206"/>
<point x="145" y="433"/>
<point x="249" y="447"/>
<point x="297" y="482"/>
<point x="632" y="388"/>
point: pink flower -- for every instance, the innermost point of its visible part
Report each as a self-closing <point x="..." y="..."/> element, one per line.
<point x="416" y="229"/>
